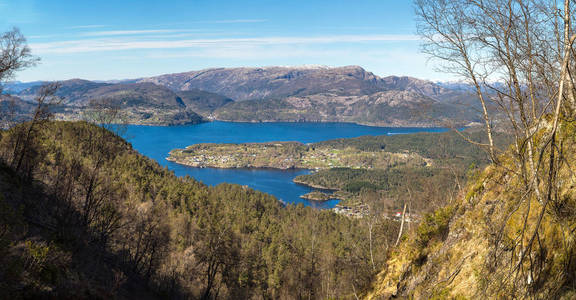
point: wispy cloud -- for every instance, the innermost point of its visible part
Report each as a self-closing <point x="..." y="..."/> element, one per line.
<point x="235" y="21"/>
<point x="135" y="32"/>
<point x="44" y="36"/>
<point x="86" y="26"/>
<point x="119" y="44"/>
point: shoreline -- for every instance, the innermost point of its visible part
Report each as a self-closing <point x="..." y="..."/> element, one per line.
<point x="170" y="159"/>
<point x="367" y="124"/>
<point x="314" y="186"/>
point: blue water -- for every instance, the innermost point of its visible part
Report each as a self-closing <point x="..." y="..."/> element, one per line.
<point x="156" y="141"/>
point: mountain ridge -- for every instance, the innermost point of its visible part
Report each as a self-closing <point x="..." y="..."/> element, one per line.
<point x="271" y="94"/>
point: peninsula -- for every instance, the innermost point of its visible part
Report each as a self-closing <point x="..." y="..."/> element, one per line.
<point x="290" y="155"/>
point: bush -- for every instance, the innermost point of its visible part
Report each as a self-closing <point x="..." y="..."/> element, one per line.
<point x="434" y="226"/>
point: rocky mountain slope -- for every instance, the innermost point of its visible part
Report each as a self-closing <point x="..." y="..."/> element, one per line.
<point x="323" y="94"/>
<point x="203" y="102"/>
<point x="473" y="248"/>
<point x="387" y="108"/>
<point x="273" y="82"/>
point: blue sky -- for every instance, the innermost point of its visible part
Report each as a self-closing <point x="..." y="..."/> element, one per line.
<point x="102" y="40"/>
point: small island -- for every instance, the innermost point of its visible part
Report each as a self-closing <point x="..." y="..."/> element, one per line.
<point x="317" y="196"/>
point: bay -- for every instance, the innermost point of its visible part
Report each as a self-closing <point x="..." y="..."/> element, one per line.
<point x="156" y="141"/>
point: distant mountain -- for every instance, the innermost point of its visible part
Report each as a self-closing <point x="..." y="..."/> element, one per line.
<point x="203" y="102"/>
<point x="424" y="87"/>
<point x="13" y="109"/>
<point x="456" y="85"/>
<point x="78" y="92"/>
<point x="272" y="82"/>
<point x="345" y="94"/>
<point x="142" y="103"/>
<point x="388" y="108"/>
<point x="340" y="94"/>
<point x="13" y="87"/>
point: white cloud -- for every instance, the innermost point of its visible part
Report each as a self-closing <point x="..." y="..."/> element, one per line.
<point x="234" y="21"/>
<point x="119" y="44"/>
<point x="134" y="32"/>
<point x="86" y="26"/>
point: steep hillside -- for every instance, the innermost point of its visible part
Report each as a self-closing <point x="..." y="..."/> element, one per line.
<point x="203" y="102"/>
<point x="83" y="215"/>
<point x="473" y="248"/>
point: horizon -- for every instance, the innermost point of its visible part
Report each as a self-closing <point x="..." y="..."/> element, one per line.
<point x="116" y="41"/>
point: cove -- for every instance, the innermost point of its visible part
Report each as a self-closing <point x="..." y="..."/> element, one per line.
<point x="156" y="141"/>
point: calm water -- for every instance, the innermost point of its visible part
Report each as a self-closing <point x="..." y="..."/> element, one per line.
<point x="156" y="141"/>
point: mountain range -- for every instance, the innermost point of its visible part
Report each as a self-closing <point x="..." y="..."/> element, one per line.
<point x="292" y="94"/>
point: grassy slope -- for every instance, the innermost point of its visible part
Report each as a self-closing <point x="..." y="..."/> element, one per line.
<point x="468" y="249"/>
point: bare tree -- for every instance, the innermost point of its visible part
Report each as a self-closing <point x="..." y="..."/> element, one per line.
<point x="107" y="114"/>
<point x="519" y="56"/>
<point x="403" y="217"/>
<point x="15" y="54"/>
<point x="26" y="135"/>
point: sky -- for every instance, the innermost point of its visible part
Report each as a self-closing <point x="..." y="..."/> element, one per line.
<point x="122" y="39"/>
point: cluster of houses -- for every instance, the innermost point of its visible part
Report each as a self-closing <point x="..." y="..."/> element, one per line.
<point x="361" y="210"/>
<point x="202" y="160"/>
<point x="356" y="211"/>
<point x="397" y="216"/>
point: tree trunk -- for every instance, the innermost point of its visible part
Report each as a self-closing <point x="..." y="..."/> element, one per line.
<point x="401" y="226"/>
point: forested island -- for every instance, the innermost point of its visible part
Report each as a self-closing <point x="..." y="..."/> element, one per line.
<point x="317" y="196"/>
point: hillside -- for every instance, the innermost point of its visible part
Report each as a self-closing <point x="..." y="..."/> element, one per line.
<point x="13" y="109"/>
<point x="473" y="248"/>
<point x="83" y="215"/>
<point x="139" y="103"/>
<point x="395" y="108"/>
<point x="205" y="103"/>
<point x="77" y="92"/>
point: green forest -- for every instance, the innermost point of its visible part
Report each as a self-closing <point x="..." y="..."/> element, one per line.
<point x="87" y="216"/>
